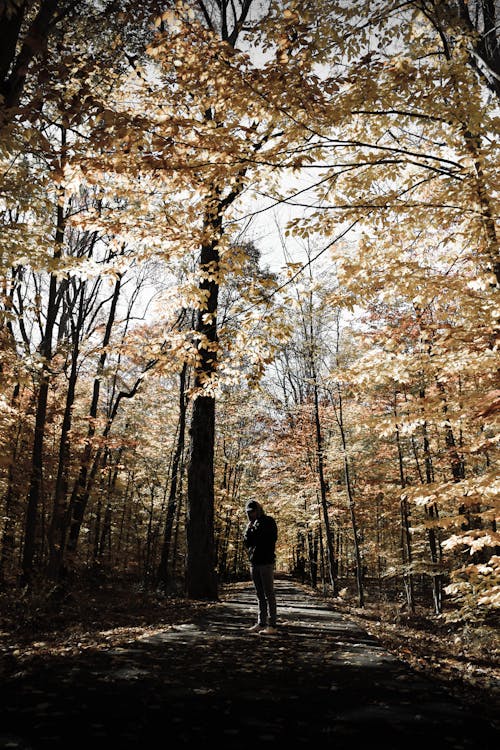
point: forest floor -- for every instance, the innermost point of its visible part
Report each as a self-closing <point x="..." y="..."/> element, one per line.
<point x="109" y="662"/>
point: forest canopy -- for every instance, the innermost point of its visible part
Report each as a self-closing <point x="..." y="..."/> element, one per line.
<point x="250" y="251"/>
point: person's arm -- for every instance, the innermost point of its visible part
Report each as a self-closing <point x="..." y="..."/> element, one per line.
<point x="249" y="534"/>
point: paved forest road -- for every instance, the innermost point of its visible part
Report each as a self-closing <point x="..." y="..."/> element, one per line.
<point x="321" y="682"/>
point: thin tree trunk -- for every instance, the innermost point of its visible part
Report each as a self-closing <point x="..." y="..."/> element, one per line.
<point x="80" y="494"/>
<point x="56" y="536"/>
<point x="322" y="569"/>
<point x="309" y="335"/>
<point x="223" y="546"/>
<point x="350" y="501"/>
<point x="201" y="579"/>
<point x="339" y="415"/>
<point x="10" y="501"/>
<point x="149" y="539"/>
<point x="177" y="525"/>
<point x="431" y="513"/>
<point x="407" y="553"/>
<point x="406" y="542"/>
<point x="80" y="500"/>
<point x="37" y="463"/>
<point x="312" y="548"/>
<point x="174" y="480"/>
<point x="456" y="461"/>
<point x="332" y="562"/>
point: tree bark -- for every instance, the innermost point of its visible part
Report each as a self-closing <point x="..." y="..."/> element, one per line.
<point x="80" y="495"/>
<point x="174" y="480"/>
<point x="406" y="541"/>
<point x="350" y="501"/>
<point x="14" y="68"/>
<point x="45" y="349"/>
<point x="201" y="579"/>
<point x="431" y="512"/>
<point x="56" y="536"/>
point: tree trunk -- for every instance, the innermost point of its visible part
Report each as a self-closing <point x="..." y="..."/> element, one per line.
<point x="36" y="477"/>
<point x="201" y="579"/>
<point x="431" y="512"/>
<point x="456" y="461"/>
<point x="310" y="338"/>
<point x="59" y="512"/>
<point x="339" y="415"/>
<point x="312" y="548"/>
<point x="407" y="554"/>
<point x="332" y="562"/>
<point x="174" y="480"/>
<point x="11" y="498"/>
<point x="80" y="492"/>
<point x="14" y="66"/>
<point x="350" y="500"/>
<point x="406" y="541"/>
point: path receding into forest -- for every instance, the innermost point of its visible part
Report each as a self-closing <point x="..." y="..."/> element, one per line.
<point x="322" y="681"/>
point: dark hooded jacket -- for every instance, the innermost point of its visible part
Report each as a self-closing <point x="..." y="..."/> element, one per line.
<point x="260" y="540"/>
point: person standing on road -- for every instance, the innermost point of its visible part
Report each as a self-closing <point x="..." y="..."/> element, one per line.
<point x="260" y="538"/>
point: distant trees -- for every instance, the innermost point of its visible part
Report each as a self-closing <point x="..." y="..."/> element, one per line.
<point x="412" y="170"/>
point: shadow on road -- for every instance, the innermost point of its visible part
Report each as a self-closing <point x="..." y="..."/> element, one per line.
<point x="209" y="681"/>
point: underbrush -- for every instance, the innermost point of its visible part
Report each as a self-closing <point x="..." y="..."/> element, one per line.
<point x="50" y="611"/>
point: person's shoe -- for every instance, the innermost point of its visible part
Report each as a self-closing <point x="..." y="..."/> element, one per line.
<point x="256" y="628"/>
<point x="270" y="630"/>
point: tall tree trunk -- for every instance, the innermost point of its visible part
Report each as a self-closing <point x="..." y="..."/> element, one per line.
<point x="312" y="549"/>
<point x="350" y="500"/>
<point x="149" y="540"/>
<point x="201" y="579"/>
<point x="80" y="495"/>
<point x="322" y="568"/>
<point x="174" y="480"/>
<point x="431" y="513"/>
<point x="311" y="342"/>
<point x="105" y="535"/>
<point x="339" y="415"/>
<point x="223" y="546"/>
<point x="16" y="56"/>
<point x="36" y="476"/>
<point x="406" y="541"/>
<point x="407" y="553"/>
<point x="57" y="526"/>
<point x="177" y="524"/>
<point x="332" y="561"/>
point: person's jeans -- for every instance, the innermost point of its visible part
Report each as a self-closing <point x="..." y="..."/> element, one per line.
<point x="263" y="580"/>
